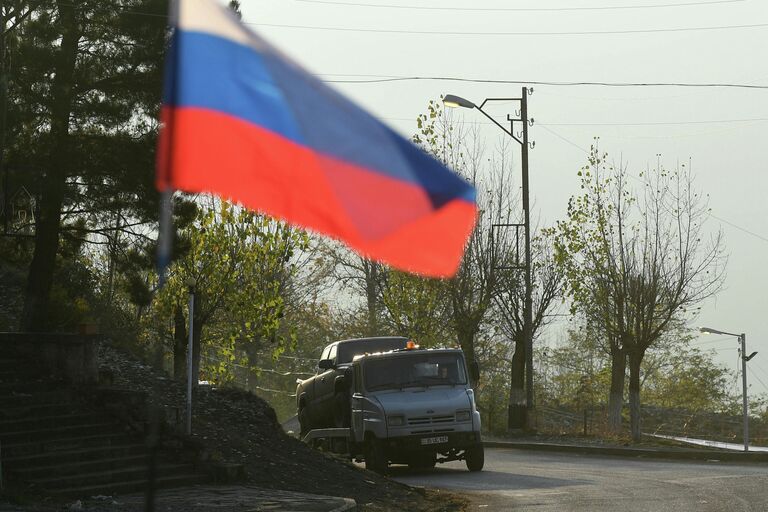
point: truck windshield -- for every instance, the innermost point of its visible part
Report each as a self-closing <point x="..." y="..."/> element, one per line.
<point x="414" y="369"/>
<point x="349" y="349"/>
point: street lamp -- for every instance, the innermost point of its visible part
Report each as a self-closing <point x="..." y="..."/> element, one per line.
<point x="744" y="358"/>
<point x="452" y="100"/>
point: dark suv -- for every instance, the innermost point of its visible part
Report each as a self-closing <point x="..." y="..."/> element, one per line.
<point x="323" y="400"/>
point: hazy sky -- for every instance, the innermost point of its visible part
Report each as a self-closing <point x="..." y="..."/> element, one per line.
<point x="722" y="130"/>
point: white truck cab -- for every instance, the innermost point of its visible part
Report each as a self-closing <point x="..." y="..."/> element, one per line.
<point x="414" y="407"/>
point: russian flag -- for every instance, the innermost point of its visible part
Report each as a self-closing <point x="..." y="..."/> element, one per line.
<point x="244" y="122"/>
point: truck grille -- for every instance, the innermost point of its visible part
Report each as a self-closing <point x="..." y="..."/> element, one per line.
<point x="430" y="420"/>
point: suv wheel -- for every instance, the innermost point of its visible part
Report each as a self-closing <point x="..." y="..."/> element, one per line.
<point x="375" y="457"/>
<point x="341" y="412"/>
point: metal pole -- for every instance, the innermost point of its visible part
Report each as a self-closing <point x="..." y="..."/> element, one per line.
<point x="528" y="307"/>
<point x="745" y="410"/>
<point x="189" y="358"/>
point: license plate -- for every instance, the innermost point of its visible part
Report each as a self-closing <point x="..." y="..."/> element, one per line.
<point x="434" y="440"/>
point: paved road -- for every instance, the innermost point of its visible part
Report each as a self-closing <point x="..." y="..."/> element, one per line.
<point x="535" y="481"/>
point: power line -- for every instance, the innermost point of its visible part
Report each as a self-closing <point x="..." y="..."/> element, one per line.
<point x="562" y="138"/>
<point x="370" y="79"/>
<point x="494" y="34"/>
<point x="652" y="123"/>
<point x="745" y="230"/>
<point x="754" y="374"/>
<point x="663" y="123"/>
<point x="521" y="9"/>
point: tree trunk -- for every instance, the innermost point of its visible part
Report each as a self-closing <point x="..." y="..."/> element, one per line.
<point x="35" y="316"/>
<point x="180" y="341"/>
<point x="467" y="343"/>
<point x="634" y="395"/>
<point x="372" y="297"/>
<point x="516" y="414"/>
<point x="616" y="394"/>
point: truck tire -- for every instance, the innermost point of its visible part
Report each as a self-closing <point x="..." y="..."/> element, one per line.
<point x="475" y="458"/>
<point x="341" y="412"/>
<point x="423" y="461"/>
<point x="375" y="457"/>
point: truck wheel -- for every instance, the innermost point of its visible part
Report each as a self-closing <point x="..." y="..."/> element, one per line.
<point x="475" y="458"/>
<point x="423" y="461"/>
<point x="341" y="412"/>
<point x="375" y="458"/>
<point x="303" y="423"/>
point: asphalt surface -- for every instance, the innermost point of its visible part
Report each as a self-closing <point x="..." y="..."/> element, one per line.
<point x="542" y="481"/>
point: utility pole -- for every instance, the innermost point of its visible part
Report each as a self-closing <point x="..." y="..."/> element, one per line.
<point x="744" y="359"/>
<point x="451" y="100"/>
<point x="744" y="405"/>
<point x="528" y="307"/>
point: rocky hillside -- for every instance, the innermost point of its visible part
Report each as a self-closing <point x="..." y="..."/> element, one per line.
<point x="239" y="427"/>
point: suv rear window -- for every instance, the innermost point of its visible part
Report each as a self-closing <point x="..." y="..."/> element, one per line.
<point x="348" y="350"/>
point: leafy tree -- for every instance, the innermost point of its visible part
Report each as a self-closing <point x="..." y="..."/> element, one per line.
<point x="417" y="308"/>
<point x="241" y="264"/>
<point x="637" y="261"/>
<point x="84" y="80"/>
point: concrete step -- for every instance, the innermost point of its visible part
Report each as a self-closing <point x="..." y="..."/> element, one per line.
<point x="13" y="363"/>
<point x="26" y="385"/>
<point x="68" y="456"/>
<point x="72" y="443"/>
<point x="116" y="488"/>
<point x="19" y="399"/>
<point x="78" y="467"/>
<point x="56" y="433"/>
<point x="117" y="475"/>
<point x="47" y="422"/>
<point x="36" y="410"/>
<point x="9" y="376"/>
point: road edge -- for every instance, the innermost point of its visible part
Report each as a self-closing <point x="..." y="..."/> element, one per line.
<point x="706" y="455"/>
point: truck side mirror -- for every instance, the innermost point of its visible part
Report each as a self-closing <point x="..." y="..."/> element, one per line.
<point x="475" y="371"/>
<point x="325" y="364"/>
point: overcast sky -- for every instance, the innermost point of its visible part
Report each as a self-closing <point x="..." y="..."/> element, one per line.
<point x="722" y="130"/>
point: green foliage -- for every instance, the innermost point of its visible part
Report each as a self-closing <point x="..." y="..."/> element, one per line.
<point x="417" y="308"/>
<point x="241" y="263"/>
<point x="675" y="374"/>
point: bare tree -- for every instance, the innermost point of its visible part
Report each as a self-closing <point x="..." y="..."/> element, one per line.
<point x="509" y="301"/>
<point x="636" y="262"/>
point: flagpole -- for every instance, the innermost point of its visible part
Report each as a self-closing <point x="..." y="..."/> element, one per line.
<point x="165" y="235"/>
<point x="165" y="238"/>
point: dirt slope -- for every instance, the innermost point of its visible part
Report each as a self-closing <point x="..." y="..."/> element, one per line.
<point x="236" y="426"/>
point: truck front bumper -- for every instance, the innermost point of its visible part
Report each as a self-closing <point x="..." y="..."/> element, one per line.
<point x="439" y="442"/>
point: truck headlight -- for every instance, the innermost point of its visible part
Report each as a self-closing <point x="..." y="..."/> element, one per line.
<point x="395" y="421"/>
<point x="463" y="416"/>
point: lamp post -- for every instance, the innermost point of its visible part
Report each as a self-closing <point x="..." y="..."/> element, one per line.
<point x="451" y="100"/>
<point x="744" y="358"/>
<point x="191" y="283"/>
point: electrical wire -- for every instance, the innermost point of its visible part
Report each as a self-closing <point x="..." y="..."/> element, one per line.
<point x="371" y="79"/>
<point x="521" y="9"/>
<point x="754" y="374"/>
<point x="664" y="123"/>
<point x="496" y="34"/>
